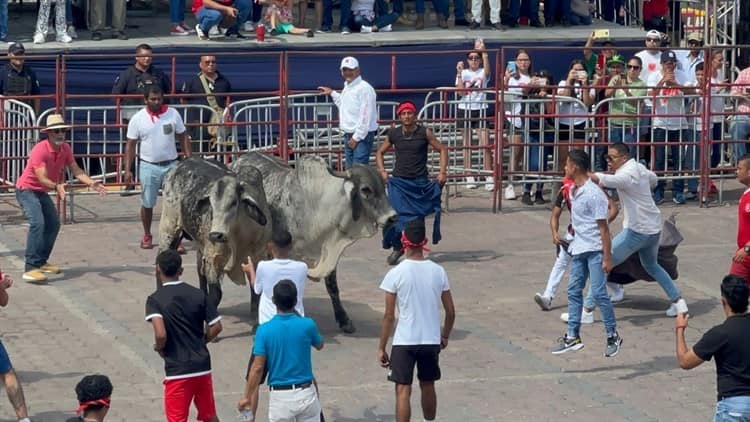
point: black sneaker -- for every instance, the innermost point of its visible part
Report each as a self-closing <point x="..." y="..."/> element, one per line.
<point x="474" y="25"/>
<point x="96" y="36"/>
<point x="235" y="34"/>
<point x="120" y="35"/>
<point x="499" y="26"/>
<point x="323" y="30"/>
<point x="613" y="346"/>
<point x="536" y="24"/>
<point x="310" y="34"/>
<point x="462" y="22"/>
<point x="539" y="199"/>
<point x="526" y="199"/>
<point x="394" y="257"/>
<point x="565" y="344"/>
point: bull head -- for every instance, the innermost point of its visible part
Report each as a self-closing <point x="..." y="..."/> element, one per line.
<point x="226" y="196"/>
<point x="252" y="207"/>
<point x="352" y="190"/>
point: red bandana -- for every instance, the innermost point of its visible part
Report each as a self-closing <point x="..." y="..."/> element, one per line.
<point x="85" y="405"/>
<point x="406" y="105"/>
<point x="155" y="116"/>
<point x="406" y="243"/>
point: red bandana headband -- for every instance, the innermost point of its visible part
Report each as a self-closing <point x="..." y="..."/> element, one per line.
<point x="85" y="405"/>
<point x="406" y="243"/>
<point x="406" y="106"/>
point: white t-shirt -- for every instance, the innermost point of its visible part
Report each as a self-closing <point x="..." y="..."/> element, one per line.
<point x="573" y="107"/>
<point x="651" y="65"/>
<point x="669" y="100"/>
<point x="419" y="286"/>
<point x="473" y="79"/>
<point x="516" y="86"/>
<point x="271" y="272"/>
<point x="156" y="134"/>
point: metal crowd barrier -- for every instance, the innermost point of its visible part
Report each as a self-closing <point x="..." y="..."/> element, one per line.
<point x="17" y="137"/>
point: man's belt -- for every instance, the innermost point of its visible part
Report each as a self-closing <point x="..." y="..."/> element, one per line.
<point x="159" y="163"/>
<point x="290" y="386"/>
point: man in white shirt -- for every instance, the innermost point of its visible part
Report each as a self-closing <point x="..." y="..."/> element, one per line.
<point x="418" y="285"/>
<point x="651" y="56"/>
<point x="690" y="58"/>
<point x="591" y="253"/>
<point x="641" y="226"/>
<point x="358" y="113"/>
<point x="157" y="127"/>
<point x="668" y="88"/>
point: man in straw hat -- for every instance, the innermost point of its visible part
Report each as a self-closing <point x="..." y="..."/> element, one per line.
<point x="43" y="172"/>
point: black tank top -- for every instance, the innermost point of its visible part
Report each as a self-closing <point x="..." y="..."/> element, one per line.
<point x="411" y="152"/>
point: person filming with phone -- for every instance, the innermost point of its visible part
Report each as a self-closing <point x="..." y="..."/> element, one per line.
<point x="740" y="127"/>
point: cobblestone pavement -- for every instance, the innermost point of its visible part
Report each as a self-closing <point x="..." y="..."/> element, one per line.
<point x="497" y="366"/>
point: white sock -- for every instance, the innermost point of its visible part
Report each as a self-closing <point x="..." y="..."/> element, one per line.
<point x="24" y="420"/>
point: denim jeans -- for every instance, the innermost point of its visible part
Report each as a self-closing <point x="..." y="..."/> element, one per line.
<point x="3" y="18"/>
<point x="361" y="153"/>
<point x="688" y="158"/>
<point x="458" y="9"/>
<point x="209" y="17"/>
<point x="537" y="156"/>
<point x="43" y="226"/>
<point x="356" y="22"/>
<point x="346" y="10"/>
<point x="176" y="11"/>
<point x="579" y="20"/>
<point x="514" y="10"/>
<point x="585" y="265"/>
<point x="716" y="145"/>
<point x="628" y="242"/>
<point x="733" y="409"/>
<point x="625" y="134"/>
<point x="740" y="131"/>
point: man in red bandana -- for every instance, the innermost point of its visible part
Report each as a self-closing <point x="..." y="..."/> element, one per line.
<point x="418" y="285"/>
<point x="157" y="127"/>
<point x="94" y="392"/>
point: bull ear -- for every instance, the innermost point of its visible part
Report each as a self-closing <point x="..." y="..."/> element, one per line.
<point x="356" y="200"/>
<point x="254" y="209"/>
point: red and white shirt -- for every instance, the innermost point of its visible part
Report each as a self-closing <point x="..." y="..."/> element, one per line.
<point x="743" y="220"/>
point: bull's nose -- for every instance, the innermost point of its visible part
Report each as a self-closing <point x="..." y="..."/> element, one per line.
<point x="217" y="237"/>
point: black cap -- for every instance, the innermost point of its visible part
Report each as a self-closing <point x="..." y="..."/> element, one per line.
<point x="16" y="48"/>
<point x="668" y="56"/>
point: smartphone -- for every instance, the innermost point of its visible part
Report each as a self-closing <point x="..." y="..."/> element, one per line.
<point x="747" y="90"/>
<point x="541" y="81"/>
<point x="478" y="43"/>
<point x="601" y="33"/>
<point x="581" y="74"/>
<point x="512" y="67"/>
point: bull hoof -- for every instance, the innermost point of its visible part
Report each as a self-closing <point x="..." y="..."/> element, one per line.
<point x="347" y="327"/>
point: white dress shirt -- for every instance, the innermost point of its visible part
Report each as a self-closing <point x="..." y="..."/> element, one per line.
<point x="357" y="108"/>
<point x="633" y="182"/>
<point x="588" y="204"/>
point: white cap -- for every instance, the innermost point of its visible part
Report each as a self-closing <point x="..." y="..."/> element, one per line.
<point x="349" y="63"/>
<point x="653" y="33"/>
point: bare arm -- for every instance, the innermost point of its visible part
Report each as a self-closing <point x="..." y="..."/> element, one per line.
<point x="253" y="382"/>
<point x="389" y="318"/>
<point x="384" y="147"/>
<point x="450" y="317"/>
<point x="685" y="357"/>
<point x="160" y="334"/>
<point x="606" y="245"/>
<point x="213" y="331"/>
<point x="41" y="174"/>
<point x="435" y="143"/>
<point x="554" y="224"/>
<point x="612" y="210"/>
<point x="587" y="48"/>
<point x="319" y="346"/>
<point x="5" y="284"/>
<point x="186" y="147"/>
<point x="129" y="156"/>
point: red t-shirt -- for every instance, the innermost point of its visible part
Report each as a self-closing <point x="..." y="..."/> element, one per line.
<point x="42" y="155"/>
<point x="197" y="4"/>
<point x="743" y="220"/>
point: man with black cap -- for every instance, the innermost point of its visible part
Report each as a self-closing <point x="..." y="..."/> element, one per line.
<point x="18" y="78"/>
<point x="418" y="286"/>
<point x="669" y="86"/>
<point x="729" y="344"/>
<point x="44" y="172"/>
<point x="358" y="114"/>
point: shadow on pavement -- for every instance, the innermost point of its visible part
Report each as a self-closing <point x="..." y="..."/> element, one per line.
<point x="639" y="369"/>
<point x="28" y="377"/>
<point x="368" y="416"/>
<point x="464" y="256"/>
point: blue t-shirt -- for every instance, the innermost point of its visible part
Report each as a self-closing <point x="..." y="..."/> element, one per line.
<point x="285" y="341"/>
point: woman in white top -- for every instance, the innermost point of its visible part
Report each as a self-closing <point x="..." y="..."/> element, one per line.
<point x="581" y="97"/>
<point x="518" y="81"/>
<point x="472" y="110"/>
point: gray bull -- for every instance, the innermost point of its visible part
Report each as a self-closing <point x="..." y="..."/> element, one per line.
<point x="324" y="212"/>
<point x="225" y="215"/>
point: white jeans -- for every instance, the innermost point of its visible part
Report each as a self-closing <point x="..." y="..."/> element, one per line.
<point x="562" y="263"/>
<point x="476" y="11"/>
<point x="299" y="405"/>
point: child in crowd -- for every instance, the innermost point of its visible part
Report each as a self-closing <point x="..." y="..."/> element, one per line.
<point x="279" y="17"/>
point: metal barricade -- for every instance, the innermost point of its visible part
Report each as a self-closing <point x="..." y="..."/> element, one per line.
<point x="17" y="137"/>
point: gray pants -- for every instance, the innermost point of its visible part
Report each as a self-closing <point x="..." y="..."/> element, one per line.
<point x="98" y="15"/>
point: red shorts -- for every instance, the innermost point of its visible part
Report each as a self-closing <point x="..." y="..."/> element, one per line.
<point x="741" y="269"/>
<point x="180" y="392"/>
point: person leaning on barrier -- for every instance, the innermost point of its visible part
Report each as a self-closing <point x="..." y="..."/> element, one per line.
<point x="412" y="195"/>
<point x="581" y="95"/>
<point x="716" y="107"/>
<point x="622" y="88"/>
<point x="358" y="112"/>
<point x="18" y="78"/>
<point x="208" y="82"/>
<point x="94" y="394"/>
<point x="44" y="172"/>
<point x="472" y="107"/>
<point x="729" y="345"/>
<point x="740" y="127"/>
<point x="517" y="80"/>
<point x="157" y="128"/>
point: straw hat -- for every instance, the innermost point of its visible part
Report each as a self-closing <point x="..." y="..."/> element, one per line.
<point x="55" y="121"/>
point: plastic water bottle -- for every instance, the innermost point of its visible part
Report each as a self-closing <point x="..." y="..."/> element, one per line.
<point x="246" y="415"/>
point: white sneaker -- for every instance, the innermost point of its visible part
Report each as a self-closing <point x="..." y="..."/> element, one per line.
<point x="365" y="29"/>
<point x="586" y="317"/>
<point x="679" y="307"/>
<point x="489" y="184"/>
<point x="200" y="34"/>
<point x="618" y="292"/>
<point x="39" y="38"/>
<point x="249" y="27"/>
<point x="213" y="31"/>
<point x="471" y="183"/>
<point x="64" y="38"/>
<point x="386" y="28"/>
<point x="72" y="31"/>
<point x="510" y="192"/>
<point x="544" y="302"/>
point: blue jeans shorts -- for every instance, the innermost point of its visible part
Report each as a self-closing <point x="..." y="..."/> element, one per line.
<point x="5" y="365"/>
<point x="151" y="177"/>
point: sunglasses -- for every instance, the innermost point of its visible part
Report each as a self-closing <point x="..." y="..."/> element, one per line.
<point x="58" y="130"/>
<point x="210" y="62"/>
<point x="632" y="67"/>
<point x="653" y="39"/>
<point x="474" y="58"/>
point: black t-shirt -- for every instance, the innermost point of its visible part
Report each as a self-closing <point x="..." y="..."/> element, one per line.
<point x="133" y="81"/>
<point x="194" y="86"/>
<point x="74" y="419"/>
<point x="411" y="152"/>
<point x="184" y="309"/>
<point x="729" y="343"/>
